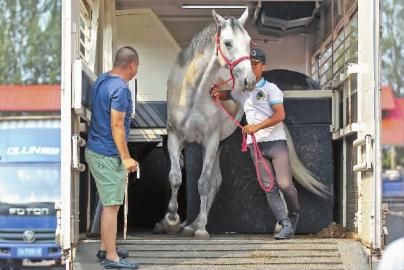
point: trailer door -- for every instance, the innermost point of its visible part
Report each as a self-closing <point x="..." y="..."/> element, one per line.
<point x="67" y="173"/>
<point x="368" y="167"/>
<point x="83" y="56"/>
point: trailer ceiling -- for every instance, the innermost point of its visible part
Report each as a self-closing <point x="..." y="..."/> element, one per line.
<point x="174" y="17"/>
<point x="171" y="8"/>
<point x="174" y="7"/>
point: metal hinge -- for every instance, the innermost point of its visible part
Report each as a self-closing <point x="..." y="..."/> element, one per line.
<point x="58" y="235"/>
<point x="77" y="142"/>
<point x="367" y="163"/>
<point x="385" y="211"/>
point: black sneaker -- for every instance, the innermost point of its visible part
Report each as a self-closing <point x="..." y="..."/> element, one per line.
<point x="122" y="253"/>
<point x="121" y="264"/>
<point x="286" y="231"/>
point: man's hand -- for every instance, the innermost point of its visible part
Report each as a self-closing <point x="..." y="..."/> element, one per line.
<point x="130" y="164"/>
<point x="217" y="94"/>
<point x="250" y="129"/>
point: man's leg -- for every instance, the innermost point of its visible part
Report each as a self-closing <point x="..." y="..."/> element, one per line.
<point x="273" y="196"/>
<point x="278" y="151"/>
<point x="109" y="178"/>
<point x="102" y="245"/>
<point x="279" y="154"/>
<point x="108" y="230"/>
<point x="275" y="201"/>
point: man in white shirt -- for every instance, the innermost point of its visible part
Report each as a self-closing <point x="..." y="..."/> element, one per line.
<point x="264" y="111"/>
<point x="393" y="256"/>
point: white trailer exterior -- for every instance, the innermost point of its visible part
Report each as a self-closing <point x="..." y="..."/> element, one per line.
<point x="93" y="53"/>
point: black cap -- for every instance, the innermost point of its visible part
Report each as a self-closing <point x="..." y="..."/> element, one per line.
<point x="258" y="55"/>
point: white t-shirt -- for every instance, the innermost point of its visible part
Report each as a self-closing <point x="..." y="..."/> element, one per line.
<point x="393" y="256"/>
<point x="258" y="107"/>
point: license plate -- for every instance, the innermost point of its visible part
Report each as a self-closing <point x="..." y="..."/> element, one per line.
<point x="29" y="252"/>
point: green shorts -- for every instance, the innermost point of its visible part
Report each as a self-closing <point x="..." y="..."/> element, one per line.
<point x="109" y="175"/>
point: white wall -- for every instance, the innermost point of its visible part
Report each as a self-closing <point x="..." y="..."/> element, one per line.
<point x="157" y="50"/>
<point x="289" y="52"/>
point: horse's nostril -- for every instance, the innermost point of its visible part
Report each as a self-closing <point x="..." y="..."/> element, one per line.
<point x="245" y="82"/>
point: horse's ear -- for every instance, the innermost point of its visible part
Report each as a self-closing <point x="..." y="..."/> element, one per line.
<point x="218" y="19"/>
<point x="243" y="18"/>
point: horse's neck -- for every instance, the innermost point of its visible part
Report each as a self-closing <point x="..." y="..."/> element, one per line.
<point x="213" y="73"/>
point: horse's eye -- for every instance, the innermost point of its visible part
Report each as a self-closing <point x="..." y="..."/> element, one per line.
<point x="228" y="44"/>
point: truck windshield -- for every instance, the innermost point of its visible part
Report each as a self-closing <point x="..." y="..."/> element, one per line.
<point x="28" y="183"/>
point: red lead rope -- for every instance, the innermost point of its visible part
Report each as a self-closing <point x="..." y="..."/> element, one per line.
<point x="257" y="152"/>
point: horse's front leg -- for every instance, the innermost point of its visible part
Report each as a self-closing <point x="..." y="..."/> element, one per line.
<point x="172" y="219"/>
<point x="214" y="185"/>
<point x="210" y="145"/>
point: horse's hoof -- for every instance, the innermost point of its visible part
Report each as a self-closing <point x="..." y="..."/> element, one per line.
<point x="188" y="232"/>
<point x="172" y="226"/>
<point x="201" y="235"/>
<point x="158" y="228"/>
<point x="183" y="225"/>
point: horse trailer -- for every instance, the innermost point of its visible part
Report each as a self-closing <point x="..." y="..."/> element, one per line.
<point x="323" y="54"/>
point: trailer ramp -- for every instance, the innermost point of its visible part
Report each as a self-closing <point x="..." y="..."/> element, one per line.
<point x="232" y="252"/>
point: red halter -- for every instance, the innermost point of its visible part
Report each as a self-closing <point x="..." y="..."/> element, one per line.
<point x="230" y="64"/>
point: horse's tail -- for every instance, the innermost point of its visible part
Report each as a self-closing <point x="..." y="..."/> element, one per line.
<point x="305" y="177"/>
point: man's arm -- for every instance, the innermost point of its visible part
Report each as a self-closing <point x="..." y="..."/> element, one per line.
<point x="118" y="132"/>
<point x="277" y="117"/>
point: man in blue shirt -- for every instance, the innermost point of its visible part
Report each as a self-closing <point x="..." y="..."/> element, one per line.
<point x="107" y="152"/>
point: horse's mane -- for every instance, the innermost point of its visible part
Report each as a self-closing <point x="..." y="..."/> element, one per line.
<point x="204" y="39"/>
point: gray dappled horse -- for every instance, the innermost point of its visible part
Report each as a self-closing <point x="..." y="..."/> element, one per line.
<point x="193" y="117"/>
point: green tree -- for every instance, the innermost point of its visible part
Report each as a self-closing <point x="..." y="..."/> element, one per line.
<point x="30" y="41"/>
<point x="393" y="44"/>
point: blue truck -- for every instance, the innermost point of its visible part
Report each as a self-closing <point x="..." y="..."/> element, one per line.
<point x="29" y="189"/>
<point x="393" y="184"/>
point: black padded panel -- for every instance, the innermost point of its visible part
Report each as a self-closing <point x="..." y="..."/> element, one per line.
<point x="240" y="204"/>
<point x="307" y="111"/>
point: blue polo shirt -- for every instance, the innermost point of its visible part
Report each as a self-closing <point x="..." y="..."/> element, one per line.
<point x="108" y="92"/>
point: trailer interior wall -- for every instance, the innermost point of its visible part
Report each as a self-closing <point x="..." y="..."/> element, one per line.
<point x="157" y="39"/>
<point x="158" y="31"/>
<point x="295" y="57"/>
<point x="157" y="50"/>
<point x="327" y="52"/>
<point x="293" y="52"/>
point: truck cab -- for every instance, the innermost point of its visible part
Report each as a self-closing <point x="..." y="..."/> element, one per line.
<point x="29" y="189"/>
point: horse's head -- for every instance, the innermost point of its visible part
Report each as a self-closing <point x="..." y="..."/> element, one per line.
<point x="233" y="48"/>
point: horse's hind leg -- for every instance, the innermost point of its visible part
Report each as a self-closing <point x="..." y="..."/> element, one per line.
<point x="215" y="182"/>
<point x="204" y="183"/>
<point x="172" y="219"/>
